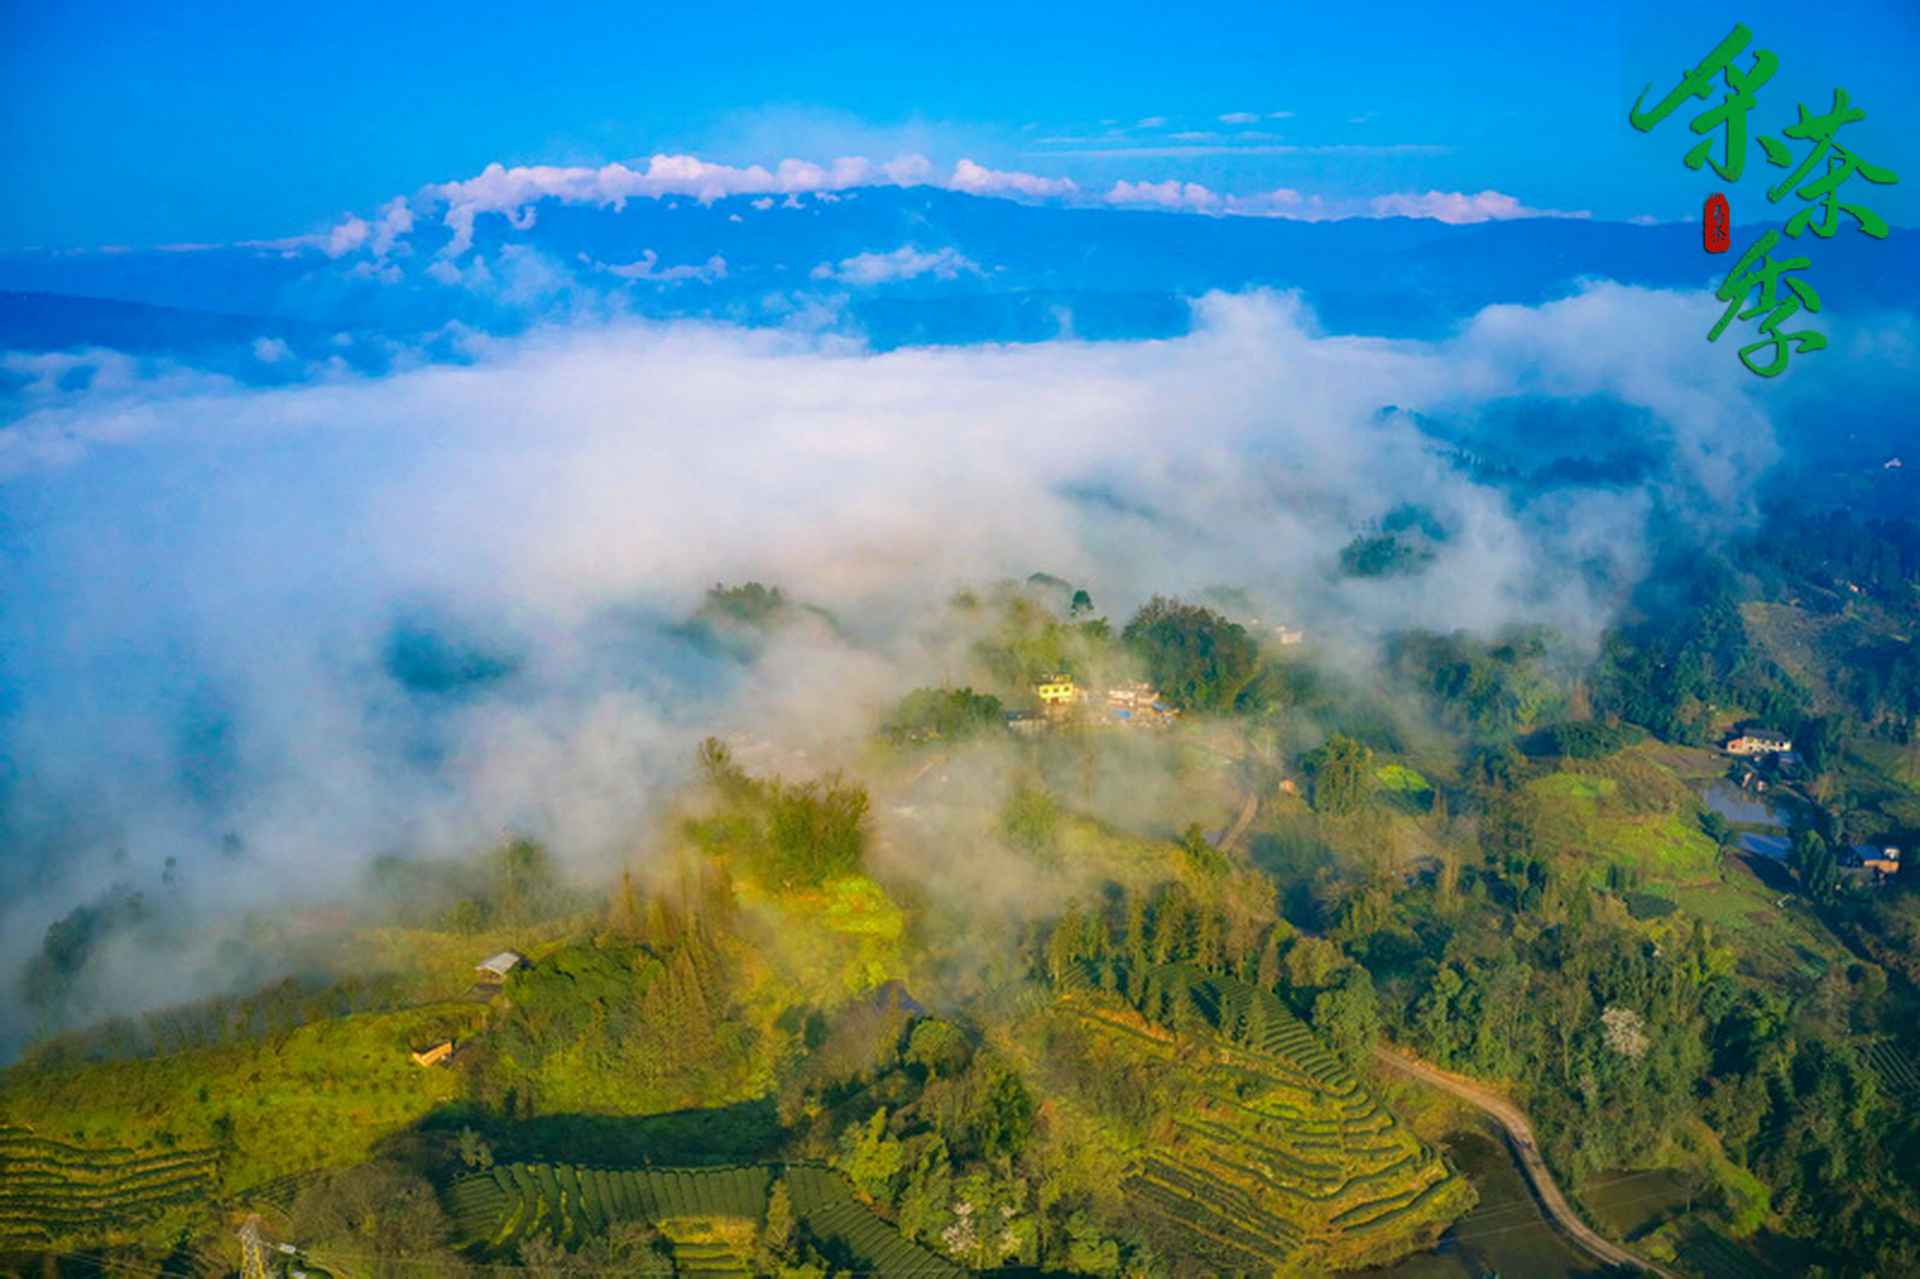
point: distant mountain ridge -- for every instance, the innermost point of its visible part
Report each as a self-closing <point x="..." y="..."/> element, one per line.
<point x="973" y="269"/>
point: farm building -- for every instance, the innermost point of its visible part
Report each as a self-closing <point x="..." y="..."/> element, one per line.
<point x="1137" y="703"/>
<point x="1758" y="742"/>
<point x="1025" y="722"/>
<point x="495" y="968"/>
<point x="435" y="1055"/>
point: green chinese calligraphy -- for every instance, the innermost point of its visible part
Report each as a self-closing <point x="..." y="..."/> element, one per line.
<point x="1731" y="113"/>
<point x="1755" y="269"/>
<point x="1841" y="165"/>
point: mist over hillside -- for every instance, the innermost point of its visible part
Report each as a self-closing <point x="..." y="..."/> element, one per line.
<point x="411" y="608"/>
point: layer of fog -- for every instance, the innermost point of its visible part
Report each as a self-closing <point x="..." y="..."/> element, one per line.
<point x="204" y="581"/>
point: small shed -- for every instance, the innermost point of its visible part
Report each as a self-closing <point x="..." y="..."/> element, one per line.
<point x="494" y="969"/>
<point x="435" y="1055"/>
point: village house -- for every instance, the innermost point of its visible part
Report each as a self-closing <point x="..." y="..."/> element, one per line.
<point x="1884" y="860"/>
<point x="493" y="970"/>
<point x="1025" y="723"/>
<point x="1057" y="690"/>
<point x="1058" y="695"/>
<point x="1758" y="742"/>
<point x="1137" y="703"/>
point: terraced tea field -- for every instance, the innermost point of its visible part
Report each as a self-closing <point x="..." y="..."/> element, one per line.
<point x="1289" y="1162"/>
<point x="512" y="1201"/>
<point x="51" y="1191"/>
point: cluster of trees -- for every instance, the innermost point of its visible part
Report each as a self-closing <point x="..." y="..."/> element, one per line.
<point x="787" y="833"/>
<point x="1027" y="640"/>
<point x="513" y="885"/>
<point x="1484" y="689"/>
<point x="1152" y="948"/>
<point x="1813" y="860"/>
<point x="942" y="1134"/>
<point x="946" y="714"/>
<point x="1198" y="659"/>
<point x="1832" y="551"/>
<point x="1341" y="770"/>
<point x="752" y="605"/>
<point x="377" y="1219"/>
<point x="736" y="620"/>
<point x="648" y="1001"/>
<point x="1584" y="739"/>
<point x="1383" y="555"/>
<point x="1690" y="654"/>
<point x="71" y="940"/>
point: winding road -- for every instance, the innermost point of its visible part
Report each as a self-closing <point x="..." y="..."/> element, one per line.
<point x="1520" y="1137"/>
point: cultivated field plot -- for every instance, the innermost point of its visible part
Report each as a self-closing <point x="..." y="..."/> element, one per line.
<point x="513" y="1201"/>
<point x="50" y="1191"/>
<point x="1289" y="1161"/>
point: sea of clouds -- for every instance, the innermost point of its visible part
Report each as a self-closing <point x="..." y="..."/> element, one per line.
<point x="204" y="579"/>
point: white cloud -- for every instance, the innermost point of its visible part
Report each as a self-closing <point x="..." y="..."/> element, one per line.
<point x="511" y="192"/>
<point x="1457" y="206"/>
<point x="1240" y="117"/>
<point x="975" y="179"/>
<point x="648" y="268"/>
<point x="475" y="275"/>
<point x="903" y="263"/>
<point x="1178" y="150"/>
<point x="372" y="269"/>
<point x="1151" y="122"/>
<point x="352" y="233"/>
<point x="1188" y="196"/>
<point x="270" y="350"/>
<point x="1281" y="202"/>
<point x="394" y="222"/>
<point x="1279" y="115"/>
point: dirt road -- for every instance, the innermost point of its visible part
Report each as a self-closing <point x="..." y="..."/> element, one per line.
<point x="1231" y="835"/>
<point x="1520" y="1136"/>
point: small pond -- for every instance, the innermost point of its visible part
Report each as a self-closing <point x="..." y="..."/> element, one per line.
<point x="1774" y="846"/>
<point x="1741" y="807"/>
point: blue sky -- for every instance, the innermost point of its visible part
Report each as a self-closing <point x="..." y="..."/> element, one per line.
<point x="145" y="124"/>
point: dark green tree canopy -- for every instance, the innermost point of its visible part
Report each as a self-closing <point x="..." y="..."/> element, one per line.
<point x="1196" y="658"/>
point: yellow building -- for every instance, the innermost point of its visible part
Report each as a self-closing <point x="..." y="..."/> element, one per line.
<point x="1057" y="691"/>
<point x="434" y="1055"/>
